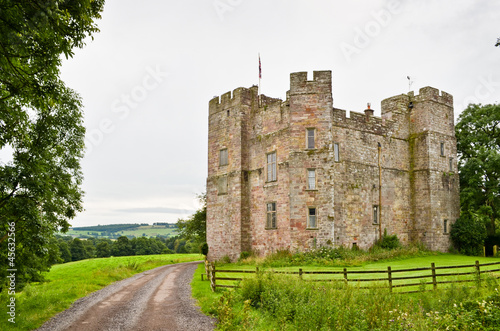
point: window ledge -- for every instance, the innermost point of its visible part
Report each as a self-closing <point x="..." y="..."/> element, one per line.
<point x="271" y="228"/>
<point x="312" y="189"/>
<point x="312" y="228"/>
<point x="270" y="184"/>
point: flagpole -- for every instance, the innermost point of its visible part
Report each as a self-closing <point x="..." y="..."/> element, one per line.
<point x="260" y="76"/>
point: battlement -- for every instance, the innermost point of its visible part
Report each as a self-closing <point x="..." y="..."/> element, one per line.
<point x="321" y="83"/>
<point x="359" y="121"/>
<point x="432" y="94"/>
<point x="240" y="95"/>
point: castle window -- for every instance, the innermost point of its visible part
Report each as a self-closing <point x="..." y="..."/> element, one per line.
<point x="311" y="218"/>
<point x="223" y="157"/>
<point x="445" y="227"/>
<point x="271" y="215"/>
<point x="311" y="179"/>
<point x="375" y="214"/>
<point x="310" y="138"/>
<point x="442" y="148"/>
<point x="336" y="152"/>
<point x="451" y="164"/>
<point x="222" y="185"/>
<point x="271" y="167"/>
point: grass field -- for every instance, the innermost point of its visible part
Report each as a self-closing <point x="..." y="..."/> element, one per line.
<point x="281" y="307"/>
<point x="148" y="231"/>
<point x="68" y="282"/>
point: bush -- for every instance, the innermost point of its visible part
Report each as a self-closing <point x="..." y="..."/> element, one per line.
<point x="204" y="249"/>
<point x="468" y="234"/>
<point x="389" y="242"/>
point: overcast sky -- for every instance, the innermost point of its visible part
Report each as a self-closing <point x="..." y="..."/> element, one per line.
<point x="147" y="77"/>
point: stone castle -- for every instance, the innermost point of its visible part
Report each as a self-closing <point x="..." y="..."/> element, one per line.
<point x="299" y="174"/>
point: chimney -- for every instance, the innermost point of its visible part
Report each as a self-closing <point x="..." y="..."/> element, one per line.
<point x="368" y="111"/>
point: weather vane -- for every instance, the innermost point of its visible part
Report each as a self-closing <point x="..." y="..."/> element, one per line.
<point x="498" y="42"/>
<point x="409" y="83"/>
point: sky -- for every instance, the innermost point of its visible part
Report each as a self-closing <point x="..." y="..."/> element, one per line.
<point x="148" y="75"/>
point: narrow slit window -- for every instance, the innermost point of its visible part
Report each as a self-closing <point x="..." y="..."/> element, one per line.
<point x="310" y="138"/>
<point x="271" y="167"/>
<point x="375" y="214"/>
<point x="445" y="226"/>
<point x="451" y="164"/>
<point x="311" y="179"/>
<point x="271" y="215"/>
<point x="442" y="148"/>
<point x="311" y="219"/>
<point x="336" y="152"/>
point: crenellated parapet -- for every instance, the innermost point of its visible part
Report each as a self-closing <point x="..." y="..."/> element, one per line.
<point x="432" y="94"/>
<point x="239" y="96"/>
<point x="321" y="83"/>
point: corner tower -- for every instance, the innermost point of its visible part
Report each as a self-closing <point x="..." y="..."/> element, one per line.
<point x="433" y="167"/>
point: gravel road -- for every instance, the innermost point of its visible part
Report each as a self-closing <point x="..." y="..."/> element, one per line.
<point x="157" y="299"/>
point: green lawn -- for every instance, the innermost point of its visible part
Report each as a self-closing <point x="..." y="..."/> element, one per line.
<point x="68" y="282"/>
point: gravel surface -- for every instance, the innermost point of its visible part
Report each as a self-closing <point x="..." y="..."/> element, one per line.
<point x="157" y="299"/>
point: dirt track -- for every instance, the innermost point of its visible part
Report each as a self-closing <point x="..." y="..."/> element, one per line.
<point x="158" y="299"/>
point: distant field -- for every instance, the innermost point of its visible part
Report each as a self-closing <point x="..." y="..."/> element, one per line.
<point x="140" y="231"/>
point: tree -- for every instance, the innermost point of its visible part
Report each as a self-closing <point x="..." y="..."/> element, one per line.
<point x="195" y="227"/>
<point x="478" y="149"/>
<point x="468" y="235"/>
<point x="103" y="249"/>
<point x="41" y="122"/>
<point x="122" y="247"/>
<point x="77" y="250"/>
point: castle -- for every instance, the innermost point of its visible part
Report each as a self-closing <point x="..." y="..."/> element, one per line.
<point x="299" y="174"/>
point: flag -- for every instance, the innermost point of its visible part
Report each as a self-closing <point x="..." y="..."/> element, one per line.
<point x="260" y="69"/>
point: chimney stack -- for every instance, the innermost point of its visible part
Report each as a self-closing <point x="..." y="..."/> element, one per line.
<point x="368" y="111"/>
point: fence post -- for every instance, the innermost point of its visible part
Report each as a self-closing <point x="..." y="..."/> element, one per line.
<point x="345" y="275"/>
<point x="389" y="277"/>
<point x="478" y="277"/>
<point x="212" y="276"/>
<point x="434" y="281"/>
<point x="256" y="271"/>
<point x="300" y="273"/>
<point x="495" y="250"/>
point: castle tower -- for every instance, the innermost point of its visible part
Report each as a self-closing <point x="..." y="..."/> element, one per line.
<point x="434" y="173"/>
<point x="227" y="192"/>
<point x="311" y="207"/>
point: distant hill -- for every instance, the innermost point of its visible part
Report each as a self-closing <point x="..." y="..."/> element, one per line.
<point x="113" y="231"/>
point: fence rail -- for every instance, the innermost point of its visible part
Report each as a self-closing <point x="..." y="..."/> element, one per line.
<point x="389" y="281"/>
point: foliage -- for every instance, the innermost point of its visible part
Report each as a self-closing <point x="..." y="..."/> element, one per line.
<point x="478" y="149"/>
<point x="38" y="302"/>
<point x="293" y="304"/>
<point x="338" y="256"/>
<point x="468" y="234"/>
<point x="388" y="241"/>
<point x="204" y="249"/>
<point x="195" y="227"/>
<point x="41" y="122"/>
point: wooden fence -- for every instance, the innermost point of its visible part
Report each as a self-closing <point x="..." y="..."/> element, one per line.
<point x="391" y="279"/>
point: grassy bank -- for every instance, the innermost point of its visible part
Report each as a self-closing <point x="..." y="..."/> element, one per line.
<point x="286" y="303"/>
<point x="68" y="282"/>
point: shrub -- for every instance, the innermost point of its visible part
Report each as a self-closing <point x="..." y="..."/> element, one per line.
<point x="468" y="234"/>
<point x="204" y="249"/>
<point x="388" y="242"/>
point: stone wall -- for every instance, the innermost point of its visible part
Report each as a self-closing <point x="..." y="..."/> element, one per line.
<point x="418" y="189"/>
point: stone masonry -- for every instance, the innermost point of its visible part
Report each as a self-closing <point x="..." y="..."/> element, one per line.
<point x="299" y="174"/>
